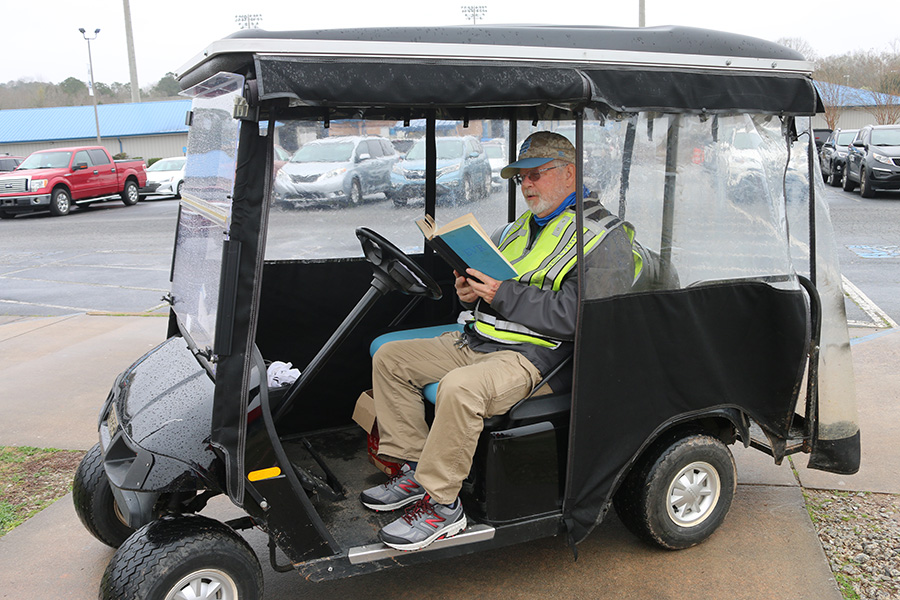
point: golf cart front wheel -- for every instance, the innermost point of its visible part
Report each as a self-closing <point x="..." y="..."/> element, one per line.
<point x="184" y="556"/>
<point x="94" y="502"/>
<point x="679" y="494"/>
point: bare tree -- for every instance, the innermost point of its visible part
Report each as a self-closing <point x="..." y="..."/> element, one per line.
<point x="800" y="45"/>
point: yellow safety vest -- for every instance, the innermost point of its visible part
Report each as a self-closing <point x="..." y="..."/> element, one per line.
<point x="544" y="265"/>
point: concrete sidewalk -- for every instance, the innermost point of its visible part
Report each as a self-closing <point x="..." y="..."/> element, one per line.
<point x="61" y="369"/>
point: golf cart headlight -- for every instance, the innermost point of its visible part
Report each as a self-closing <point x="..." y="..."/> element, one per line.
<point x="333" y="173"/>
<point x="882" y="158"/>
<point x="447" y="170"/>
<point x="37" y="184"/>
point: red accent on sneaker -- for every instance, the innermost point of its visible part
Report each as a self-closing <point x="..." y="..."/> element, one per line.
<point x="408" y="486"/>
<point x="437" y="520"/>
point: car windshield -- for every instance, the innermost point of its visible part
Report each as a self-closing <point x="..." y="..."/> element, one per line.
<point x="46" y="160"/>
<point x="844" y="138"/>
<point x="167" y="164"/>
<point x="446" y="150"/>
<point x="886" y="137"/>
<point x="330" y="152"/>
<point x="494" y="151"/>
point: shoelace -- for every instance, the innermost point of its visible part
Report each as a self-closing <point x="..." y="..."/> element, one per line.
<point x="419" y="509"/>
<point x="394" y="479"/>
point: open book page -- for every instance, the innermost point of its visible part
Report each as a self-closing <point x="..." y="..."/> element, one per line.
<point x="463" y="243"/>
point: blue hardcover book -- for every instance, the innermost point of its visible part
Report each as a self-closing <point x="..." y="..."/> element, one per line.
<point x="463" y="243"/>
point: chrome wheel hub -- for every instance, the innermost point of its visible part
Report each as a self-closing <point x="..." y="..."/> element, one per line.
<point x="208" y="584"/>
<point x="693" y="494"/>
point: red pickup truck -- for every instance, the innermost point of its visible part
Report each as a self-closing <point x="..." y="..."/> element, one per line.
<point x="56" y="179"/>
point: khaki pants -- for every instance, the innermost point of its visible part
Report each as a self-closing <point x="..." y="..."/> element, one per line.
<point x="473" y="386"/>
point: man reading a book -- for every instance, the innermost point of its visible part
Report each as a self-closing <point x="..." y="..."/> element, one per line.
<point x="517" y="331"/>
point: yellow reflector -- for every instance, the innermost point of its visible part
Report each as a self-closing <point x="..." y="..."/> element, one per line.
<point x="264" y="474"/>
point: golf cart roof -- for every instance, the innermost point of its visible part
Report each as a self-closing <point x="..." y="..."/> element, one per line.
<point x="694" y="70"/>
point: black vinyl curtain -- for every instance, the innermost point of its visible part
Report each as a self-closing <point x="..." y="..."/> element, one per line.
<point x="644" y="360"/>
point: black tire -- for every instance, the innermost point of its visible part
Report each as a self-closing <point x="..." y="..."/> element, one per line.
<point x="94" y="501"/>
<point x="649" y="500"/>
<point x="865" y="186"/>
<point x="6" y="215"/>
<point x="355" y="196"/>
<point x="834" y="179"/>
<point x="178" y="189"/>
<point x="176" y="551"/>
<point x="846" y="184"/>
<point x="60" y="202"/>
<point x="130" y="194"/>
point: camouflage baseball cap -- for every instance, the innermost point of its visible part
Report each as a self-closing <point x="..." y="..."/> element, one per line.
<point x="539" y="149"/>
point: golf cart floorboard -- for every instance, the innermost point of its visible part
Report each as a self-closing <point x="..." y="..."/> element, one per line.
<point x="344" y="451"/>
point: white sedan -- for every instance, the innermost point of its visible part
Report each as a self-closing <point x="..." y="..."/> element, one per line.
<point x="165" y="177"/>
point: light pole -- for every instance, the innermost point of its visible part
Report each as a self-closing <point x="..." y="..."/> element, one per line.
<point x="91" y="67"/>
<point x="474" y="12"/>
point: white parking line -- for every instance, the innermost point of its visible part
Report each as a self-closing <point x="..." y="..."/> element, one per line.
<point x="878" y="316"/>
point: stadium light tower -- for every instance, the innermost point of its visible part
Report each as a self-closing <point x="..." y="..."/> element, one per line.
<point x="248" y="21"/>
<point x="474" y="12"/>
<point x="91" y="67"/>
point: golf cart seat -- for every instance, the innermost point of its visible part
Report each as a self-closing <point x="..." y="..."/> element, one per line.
<point x="430" y="390"/>
<point x="531" y="409"/>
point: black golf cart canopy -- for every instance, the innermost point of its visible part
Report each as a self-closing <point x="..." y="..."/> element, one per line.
<point x="477" y="68"/>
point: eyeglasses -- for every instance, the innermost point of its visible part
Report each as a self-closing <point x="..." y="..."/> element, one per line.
<point x="533" y="176"/>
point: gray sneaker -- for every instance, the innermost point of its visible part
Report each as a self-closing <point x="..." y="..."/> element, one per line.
<point x="400" y="490"/>
<point x="423" y="523"/>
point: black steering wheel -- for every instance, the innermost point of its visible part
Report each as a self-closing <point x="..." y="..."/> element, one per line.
<point x="394" y="270"/>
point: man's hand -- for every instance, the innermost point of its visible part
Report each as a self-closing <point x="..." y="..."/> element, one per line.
<point x="463" y="289"/>
<point x="469" y="290"/>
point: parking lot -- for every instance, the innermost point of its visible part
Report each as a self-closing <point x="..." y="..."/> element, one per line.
<point x="115" y="258"/>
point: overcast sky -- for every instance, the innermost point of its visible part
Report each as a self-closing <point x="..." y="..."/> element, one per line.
<point x="42" y="42"/>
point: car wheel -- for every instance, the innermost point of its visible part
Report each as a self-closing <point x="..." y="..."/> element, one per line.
<point x="185" y="556"/>
<point x="130" y="195"/>
<point x="679" y="492"/>
<point x="178" y="189"/>
<point x="94" y="501"/>
<point x="6" y="215"/>
<point x="865" y="186"/>
<point x="846" y="184"/>
<point x="355" y="192"/>
<point x="60" y="202"/>
<point x="834" y="180"/>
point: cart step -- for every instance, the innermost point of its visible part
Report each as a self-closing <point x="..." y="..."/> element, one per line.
<point x="373" y="552"/>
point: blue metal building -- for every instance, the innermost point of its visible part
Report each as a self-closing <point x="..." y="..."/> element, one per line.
<point x="145" y="129"/>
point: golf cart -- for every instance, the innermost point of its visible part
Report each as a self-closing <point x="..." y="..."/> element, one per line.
<point x="734" y="331"/>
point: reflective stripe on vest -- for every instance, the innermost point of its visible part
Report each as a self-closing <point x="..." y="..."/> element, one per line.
<point x="544" y="265"/>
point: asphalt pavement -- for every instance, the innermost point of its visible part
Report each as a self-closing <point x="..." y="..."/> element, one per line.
<point x="55" y="373"/>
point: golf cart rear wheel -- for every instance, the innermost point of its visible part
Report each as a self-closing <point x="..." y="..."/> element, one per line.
<point x="94" y="501"/>
<point x="185" y="556"/>
<point x="679" y="492"/>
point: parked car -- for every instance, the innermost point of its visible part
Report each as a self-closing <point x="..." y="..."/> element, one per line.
<point x="56" y="179"/>
<point x="345" y="168"/>
<point x="282" y="157"/>
<point x="463" y="171"/>
<point x="498" y="157"/>
<point x="820" y="136"/>
<point x="9" y="163"/>
<point x="833" y="155"/>
<point x="165" y="177"/>
<point x="873" y="160"/>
